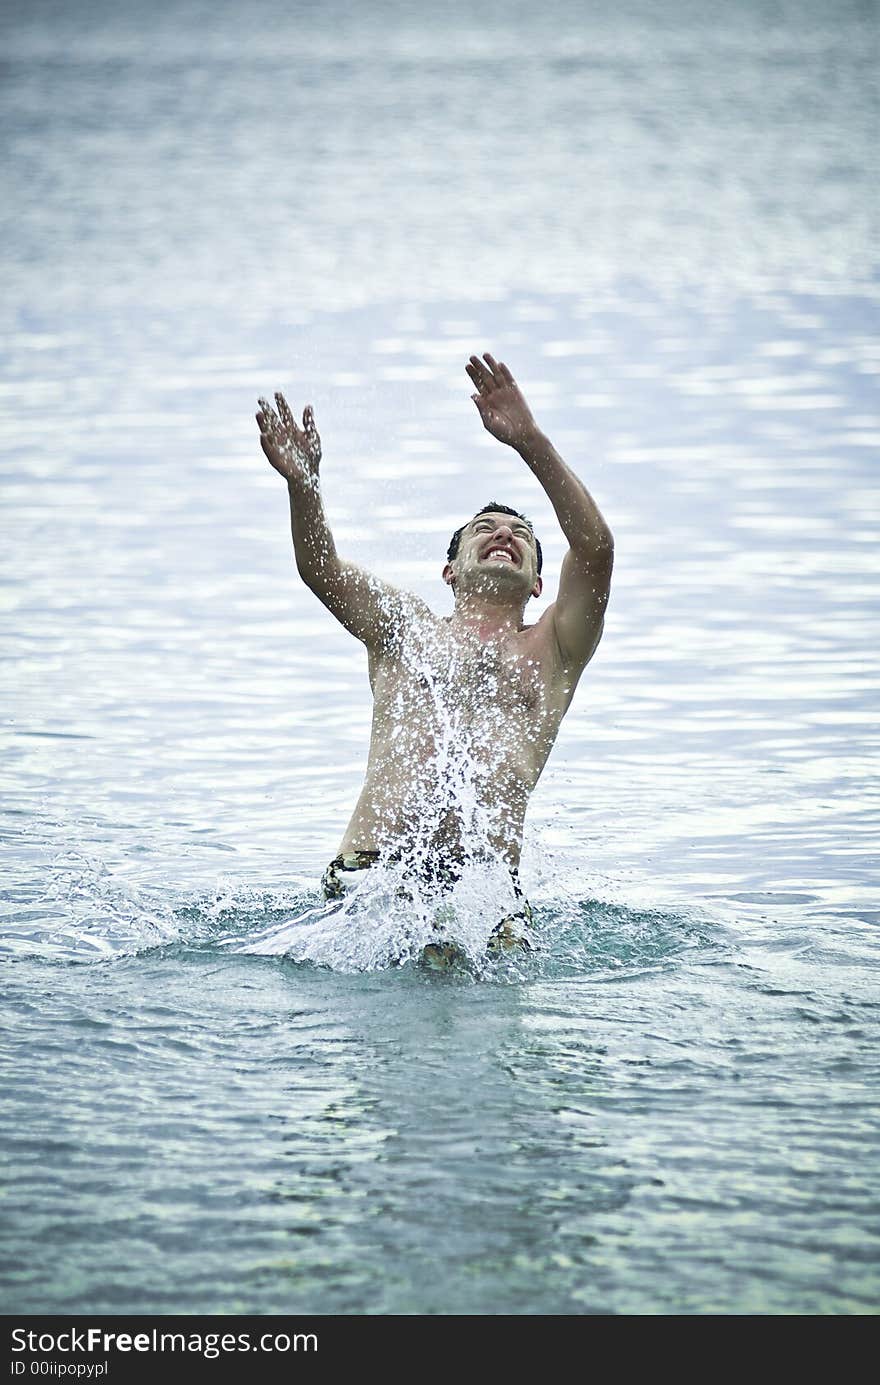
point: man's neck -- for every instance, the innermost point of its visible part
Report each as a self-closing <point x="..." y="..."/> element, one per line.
<point x="488" y="619"/>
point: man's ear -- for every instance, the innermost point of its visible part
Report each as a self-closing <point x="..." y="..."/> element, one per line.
<point x="449" y="576"/>
<point x="538" y="587"/>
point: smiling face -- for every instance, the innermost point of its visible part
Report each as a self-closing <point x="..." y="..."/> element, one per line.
<point x="497" y="556"/>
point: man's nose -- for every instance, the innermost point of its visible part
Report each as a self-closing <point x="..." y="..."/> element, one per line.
<point x="503" y="531"/>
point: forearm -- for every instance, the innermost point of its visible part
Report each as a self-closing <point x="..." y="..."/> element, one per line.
<point x="367" y="607"/>
<point x="580" y="518"/>
<point x="313" y="546"/>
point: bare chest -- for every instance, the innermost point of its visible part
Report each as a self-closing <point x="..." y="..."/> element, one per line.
<point x="488" y="677"/>
<point x="474" y="683"/>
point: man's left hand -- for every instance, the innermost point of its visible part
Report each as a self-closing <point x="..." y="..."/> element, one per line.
<point x="500" y="402"/>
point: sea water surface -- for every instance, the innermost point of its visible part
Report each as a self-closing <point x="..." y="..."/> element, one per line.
<point x="665" y="221"/>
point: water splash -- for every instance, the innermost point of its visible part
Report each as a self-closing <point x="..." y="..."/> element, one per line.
<point x="390" y="916"/>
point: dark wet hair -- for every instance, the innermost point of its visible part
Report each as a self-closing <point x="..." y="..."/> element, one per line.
<point x="495" y="509"/>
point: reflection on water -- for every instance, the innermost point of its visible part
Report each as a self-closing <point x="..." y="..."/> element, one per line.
<point x="669" y="1106"/>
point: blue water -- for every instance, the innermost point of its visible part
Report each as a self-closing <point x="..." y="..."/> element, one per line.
<point x="666" y="221"/>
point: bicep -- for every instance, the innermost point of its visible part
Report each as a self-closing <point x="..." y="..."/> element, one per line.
<point x="368" y="608"/>
<point x="579" y="612"/>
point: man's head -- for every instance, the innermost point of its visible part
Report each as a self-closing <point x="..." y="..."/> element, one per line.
<point x="497" y="552"/>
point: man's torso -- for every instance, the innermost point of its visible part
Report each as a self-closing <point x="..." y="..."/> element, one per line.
<point x="462" y="728"/>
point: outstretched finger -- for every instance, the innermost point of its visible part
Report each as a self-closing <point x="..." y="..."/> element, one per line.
<point x="309" y="419"/>
<point x="269" y="414"/>
<point x="499" y="370"/>
<point x="484" y="376"/>
<point x="285" y="413"/>
<point x="479" y="374"/>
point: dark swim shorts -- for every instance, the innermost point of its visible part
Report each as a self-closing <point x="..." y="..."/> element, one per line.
<point x="508" y="935"/>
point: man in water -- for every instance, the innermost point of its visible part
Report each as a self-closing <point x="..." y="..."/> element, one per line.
<point x="466" y="707"/>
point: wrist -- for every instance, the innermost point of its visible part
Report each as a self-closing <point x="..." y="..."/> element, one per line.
<point x="300" y="486"/>
<point x="532" y="444"/>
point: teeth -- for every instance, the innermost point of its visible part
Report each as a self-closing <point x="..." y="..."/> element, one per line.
<point x="499" y="553"/>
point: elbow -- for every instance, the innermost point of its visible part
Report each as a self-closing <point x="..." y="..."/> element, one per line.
<point x="311" y="577"/>
<point x="594" y="540"/>
<point x="305" y="567"/>
<point x="603" y="547"/>
<point x="594" y="549"/>
<point x="317" y="576"/>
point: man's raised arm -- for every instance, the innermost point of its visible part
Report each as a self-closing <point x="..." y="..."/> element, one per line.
<point x="366" y="607"/>
<point x="584" y="582"/>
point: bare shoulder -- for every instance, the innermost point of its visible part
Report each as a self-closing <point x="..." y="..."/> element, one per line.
<point x="408" y="621"/>
<point x="414" y="609"/>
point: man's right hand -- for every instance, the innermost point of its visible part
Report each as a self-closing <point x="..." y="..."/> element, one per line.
<point x="294" y="452"/>
<point x="370" y="609"/>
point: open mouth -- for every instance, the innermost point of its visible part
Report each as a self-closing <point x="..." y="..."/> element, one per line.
<point x="500" y="555"/>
